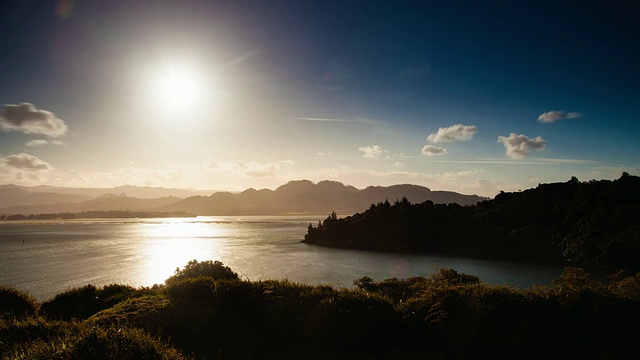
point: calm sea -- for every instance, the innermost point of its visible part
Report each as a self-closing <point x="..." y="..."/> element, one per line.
<point x="47" y="257"/>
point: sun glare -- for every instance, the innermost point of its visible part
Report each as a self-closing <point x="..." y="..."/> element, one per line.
<point x="173" y="243"/>
<point x="179" y="89"/>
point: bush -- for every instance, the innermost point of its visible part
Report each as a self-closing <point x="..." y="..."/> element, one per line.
<point x="16" y="303"/>
<point x="148" y="312"/>
<point x="120" y="344"/>
<point x="194" y="268"/>
<point x="81" y="303"/>
<point x="58" y="340"/>
<point x="18" y="335"/>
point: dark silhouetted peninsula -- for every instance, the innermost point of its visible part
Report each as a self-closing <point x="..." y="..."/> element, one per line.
<point x="595" y="223"/>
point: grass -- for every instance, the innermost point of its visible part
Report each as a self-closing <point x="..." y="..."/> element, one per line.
<point x="15" y="303"/>
<point x="205" y="315"/>
<point x="39" y="338"/>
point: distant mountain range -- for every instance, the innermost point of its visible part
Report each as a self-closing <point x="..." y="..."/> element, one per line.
<point x="300" y="196"/>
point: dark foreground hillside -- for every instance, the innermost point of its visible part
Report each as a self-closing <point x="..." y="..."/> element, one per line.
<point x="593" y="224"/>
<point x="206" y="312"/>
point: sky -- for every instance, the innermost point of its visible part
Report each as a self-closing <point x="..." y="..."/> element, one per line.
<point x="475" y="97"/>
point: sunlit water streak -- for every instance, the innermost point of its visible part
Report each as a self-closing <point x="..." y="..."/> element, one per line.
<point x="48" y="257"/>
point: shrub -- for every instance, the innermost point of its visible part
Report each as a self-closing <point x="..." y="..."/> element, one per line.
<point x="81" y="303"/>
<point x="148" y="312"/>
<point x="401" y="290"/>
<point x="628" y="287"/>
<point x="352" y="320"/>
<point x="18" y="335"/>
<point x="194" y="268"/>
<point x="16" y="303"/>
<point x="190" y="290"/>
<point x="120" y="344"/>
<point x="58" y="340"/>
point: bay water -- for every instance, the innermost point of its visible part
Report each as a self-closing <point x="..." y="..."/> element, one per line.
<point x="47" y="257"/>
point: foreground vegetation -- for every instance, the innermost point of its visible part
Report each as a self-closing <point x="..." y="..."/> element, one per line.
<point x="205" y="311"/>
<point x="593" y="224"/>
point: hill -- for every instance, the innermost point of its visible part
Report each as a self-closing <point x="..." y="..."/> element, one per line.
<point x="11" y="195"/>
<point x="205" y="311"/>
<point x="105" y="202"/>
<point x="51" y="199"/>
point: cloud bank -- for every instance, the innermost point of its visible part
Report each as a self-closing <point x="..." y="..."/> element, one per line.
<point x="431" y="150"/>
<point x="26" y="118"/>
<point x="520" y="146"/>
<point x="555" y="115"/>
<point x="456" y="132"/>
<point x="249" y="168"/>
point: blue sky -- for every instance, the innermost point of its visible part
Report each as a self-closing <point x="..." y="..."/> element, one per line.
<point x="469" y="96"/>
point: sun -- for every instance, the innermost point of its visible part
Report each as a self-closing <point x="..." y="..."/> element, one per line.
<point x="179" y="89"/>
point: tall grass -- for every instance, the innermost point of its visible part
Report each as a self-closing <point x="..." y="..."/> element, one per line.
<point x="16" y="303"/>
<point x="446" y="315"/>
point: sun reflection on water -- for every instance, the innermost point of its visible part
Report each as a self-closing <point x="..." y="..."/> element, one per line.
<point x="172" y="244"/>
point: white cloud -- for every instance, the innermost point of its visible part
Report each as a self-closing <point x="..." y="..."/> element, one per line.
<point x="520" y="146"/>
<point x="132" y="174"/>
<point x="431" y="150"/>
<point x="249" y="168"/>
<point x="373" y="152"/>
<point x="325" y="154"/>
<point x="26" y="118"/>
<point x="399" y="164"/>
<point x="555" y="115"/>
<point x="41" y="142"/>
<point x="24" y="161"/>
<point x="456" y="132"/>
<point x="456" y="174"/>
<point x="36" y="143"/>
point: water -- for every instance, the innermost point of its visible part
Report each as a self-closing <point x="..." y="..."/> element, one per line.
<point x="47" y="257"/>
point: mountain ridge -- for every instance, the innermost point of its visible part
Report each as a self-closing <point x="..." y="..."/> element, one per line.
<point x="296" y="196"/>
<point x="304" y="196"/>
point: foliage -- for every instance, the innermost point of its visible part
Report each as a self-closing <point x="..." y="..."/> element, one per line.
<point x="37" y="339"/>
<point x="593" y="224"/>
<point x="15" y="303"/>
<point x="444" y="315"/>
<point x="627" y="287"/>
<point x="399" y="290"/>
<point x="80" y="303"/>
<point x="194" y="268"/>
